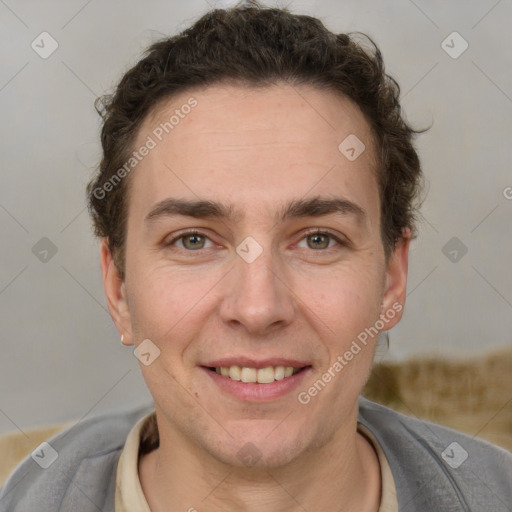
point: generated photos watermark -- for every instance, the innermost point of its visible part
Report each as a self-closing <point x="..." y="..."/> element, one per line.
<point x="157" y="135"/>
<point x="304" y="397"/>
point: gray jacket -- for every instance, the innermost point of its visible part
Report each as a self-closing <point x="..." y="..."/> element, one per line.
<point x="436" y="469"/>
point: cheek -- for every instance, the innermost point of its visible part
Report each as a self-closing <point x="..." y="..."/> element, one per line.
<point x="344" y="301"/>
<point x="346" y="304"/>
<point x="167" y="304"/>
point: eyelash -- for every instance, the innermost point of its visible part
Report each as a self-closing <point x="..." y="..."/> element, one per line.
<point x="315" y="231"/>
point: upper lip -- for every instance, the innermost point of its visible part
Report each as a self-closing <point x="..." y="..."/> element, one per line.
<point x="253" y="363"/>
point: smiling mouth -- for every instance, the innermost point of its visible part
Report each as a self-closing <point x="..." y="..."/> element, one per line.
<point x="265" y="375"/>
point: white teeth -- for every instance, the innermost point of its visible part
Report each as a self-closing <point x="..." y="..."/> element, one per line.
<point x="234" y="372"/>
<point x="261" y="376"/>
<point x="279" y="373"/>
<point x="266" y="375"/>
<point x="249" y="375"/>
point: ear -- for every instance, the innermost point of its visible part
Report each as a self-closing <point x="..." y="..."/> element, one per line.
<point x="396" y="280"/>
<point x="115" y="292"/>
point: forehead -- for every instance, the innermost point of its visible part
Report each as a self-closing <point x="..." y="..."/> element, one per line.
<point x="234" y="143"/>
<point x="230" y="112"/>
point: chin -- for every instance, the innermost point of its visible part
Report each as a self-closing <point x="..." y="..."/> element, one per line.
<point x="260" y="451"/>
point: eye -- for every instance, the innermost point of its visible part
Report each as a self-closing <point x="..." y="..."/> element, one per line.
<point x="319" y="240"/>
<point x="190" y="241"/>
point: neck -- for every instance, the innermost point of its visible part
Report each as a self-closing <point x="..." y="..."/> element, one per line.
<point x="180" y="477"/>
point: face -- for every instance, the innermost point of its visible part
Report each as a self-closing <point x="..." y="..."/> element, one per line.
<point x="253" y="243"/>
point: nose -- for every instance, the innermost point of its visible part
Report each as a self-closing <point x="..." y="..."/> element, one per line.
<point x="258" y="296"/>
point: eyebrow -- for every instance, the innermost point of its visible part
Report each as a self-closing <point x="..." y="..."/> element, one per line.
<point x="299" y="208"/>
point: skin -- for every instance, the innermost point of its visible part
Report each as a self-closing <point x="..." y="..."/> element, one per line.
<point x="256" y="149"/>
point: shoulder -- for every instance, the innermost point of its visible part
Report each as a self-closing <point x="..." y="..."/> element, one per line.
<point x="16" y="445"/>
<point x="82" y="456"/>
<point x="436" y="466"/>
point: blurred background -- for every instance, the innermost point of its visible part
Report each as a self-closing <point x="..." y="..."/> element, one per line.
<point x="61" y="357"/>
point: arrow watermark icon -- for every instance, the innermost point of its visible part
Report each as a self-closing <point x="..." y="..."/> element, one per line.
<point x="249" y="249"/>
<point x="44" y="45"/>
<point x="146" y="352"/>
<point x="454" y="455"/>
<point x="351" y="147"/>
<point x="44" y="250"/>
<point x="454" y="45"/>
<point x="45" y="455"/>
<point x="454" y="249"/>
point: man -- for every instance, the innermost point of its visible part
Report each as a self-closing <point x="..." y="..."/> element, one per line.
<point x="256" y="200"/>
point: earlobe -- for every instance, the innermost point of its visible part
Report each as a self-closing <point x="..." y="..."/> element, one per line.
<point x="115" y="293"/>
<point x="396" y="279"/>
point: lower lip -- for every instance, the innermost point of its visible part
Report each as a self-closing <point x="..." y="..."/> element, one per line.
<point x="254" y="392"/>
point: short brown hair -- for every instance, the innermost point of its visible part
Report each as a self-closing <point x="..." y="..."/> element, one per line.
<point x="258" y="46"/>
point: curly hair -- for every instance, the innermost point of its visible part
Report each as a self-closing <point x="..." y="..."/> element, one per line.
<point x="257" y="46"/>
